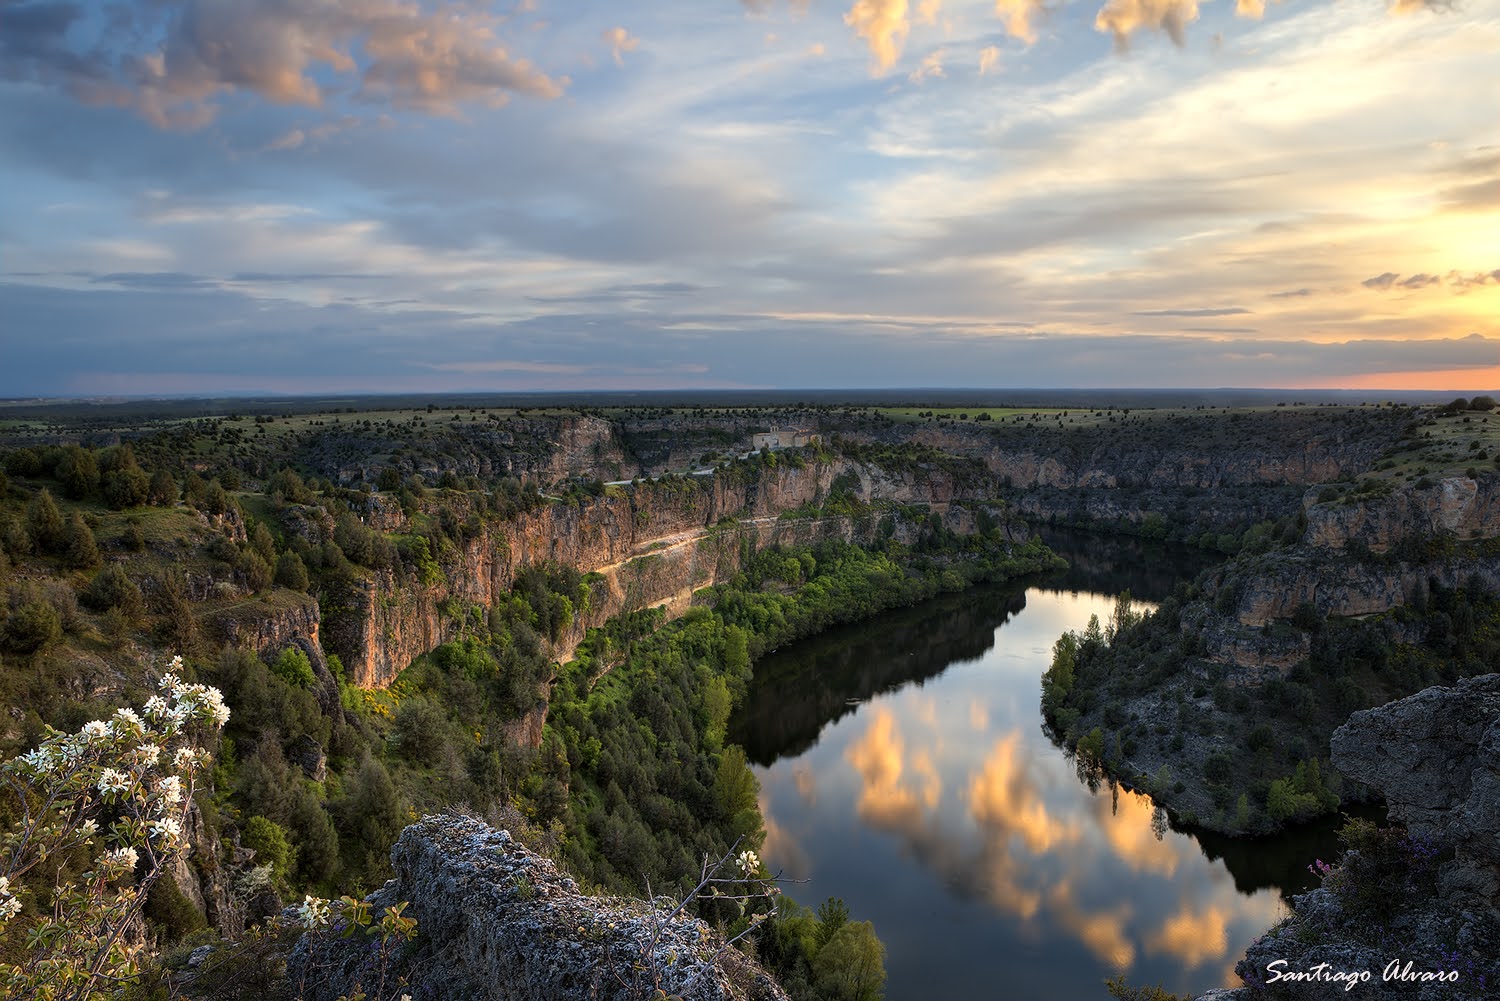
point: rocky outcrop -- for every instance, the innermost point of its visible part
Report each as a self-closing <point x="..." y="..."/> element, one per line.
<point x="1457" y="506"/>
<point x="1435" y="756"/>
<point x="499" y="922"/>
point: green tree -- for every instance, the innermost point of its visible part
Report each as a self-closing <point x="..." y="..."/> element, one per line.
<point x="293" y="667"/>
<point x="77" y="471"/>
<point x="44" y="522"/>
<point x="737" y="791"/>
<point x="79" y="547"/>
<point x="163" y="490"/>
<point x="291" y="571"/>
<point x="851" y="967"/>
<point x="263" y="543"/>
<point x="269" y="842"/>
<point x="129" y="487"/>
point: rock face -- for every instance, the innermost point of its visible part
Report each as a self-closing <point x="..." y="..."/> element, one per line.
<point x="1456" y="506"/>
<point x="498" y="922"/>
<point x="1436" y="758"/>
<point x="654" y="543"/>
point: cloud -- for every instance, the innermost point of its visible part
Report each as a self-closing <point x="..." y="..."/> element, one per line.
<point x="932" y="67"/>
<point x="1462" y="281"/>
<point x="1382" y="281"/>
<point x="884" y="25"/>
<point x="1421" y="281"/>
<point x="1192" y="936"/>
<point x="928" y="11"/>
<point x="286" y="51"/>
<point x="1020" y="17"/>
<point x="1005" y="800"/>
<point x="989" y="58"/>
<point x="1295" y="293"/>
<point x="1122" y="18"/>
<point x="1215" y="311"/>
<point x="620" y="42"/>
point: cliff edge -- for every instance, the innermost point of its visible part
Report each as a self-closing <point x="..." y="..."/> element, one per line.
<point x="498" y="922"/>
<point x="1413" y="914"/>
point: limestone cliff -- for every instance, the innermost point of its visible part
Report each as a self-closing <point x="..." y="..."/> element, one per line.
<point x="500" y="922"/>
<point x="1430" y="898"/>
<point x="1456" y="506"/>
<point x="651" y="543"/>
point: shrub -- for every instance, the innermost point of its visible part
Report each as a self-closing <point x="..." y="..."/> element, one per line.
<point x="1218" y="767"/>
<point x="134" y="773"/>
<point x="129" y="487"/>
<point x="269" y="842"/>
<point x="113" y="588"/>
<point x="293" y="667"/>
<point x="291" y="572"/>
<point x="31" y="627"/>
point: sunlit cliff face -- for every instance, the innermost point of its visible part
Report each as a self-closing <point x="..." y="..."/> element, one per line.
<point x="957" y="775"/>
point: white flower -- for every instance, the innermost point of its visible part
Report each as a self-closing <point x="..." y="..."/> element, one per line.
<point x="126" y="723"/>
<point x="41" y="760"/>
<point x="88" y="829"/>
<point x="156" y="706"/>
<point x="749" y="862"/>
<point x="176" y="664"/>
<point x="167" y="829"/>
<point x="113" y="782"/>
<point x="95" y="730"/>
<point x="123" y="859"/>
<point x="9" y="905"/>
<point x="170" y="683"/>
<point x="170" y="790"/>
<point x="184" y="757"/>
<point x="147" y="754"/>
<point x="313" y="912"/>
<point x="217" y="710"/>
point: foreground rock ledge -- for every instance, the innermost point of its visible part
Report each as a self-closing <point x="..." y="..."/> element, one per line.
<point x="1435" y="757"/>
<point x="497" y="921"/>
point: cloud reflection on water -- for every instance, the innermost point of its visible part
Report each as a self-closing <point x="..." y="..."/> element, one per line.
<point x="1017" y="832"/>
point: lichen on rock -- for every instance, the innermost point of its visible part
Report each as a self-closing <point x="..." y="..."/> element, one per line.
<point x="499" y="922"/>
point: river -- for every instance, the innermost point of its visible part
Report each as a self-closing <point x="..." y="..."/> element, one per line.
<point x="904" y="768"/>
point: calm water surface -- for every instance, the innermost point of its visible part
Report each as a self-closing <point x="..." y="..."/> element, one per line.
<point x="903" y="767"/>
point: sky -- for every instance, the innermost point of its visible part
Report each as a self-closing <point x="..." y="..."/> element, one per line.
<point x="313" y="196"/>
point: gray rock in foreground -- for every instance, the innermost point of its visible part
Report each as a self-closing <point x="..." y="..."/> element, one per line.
<point x="500" y="923"/>
<point x="1435" y="757"/>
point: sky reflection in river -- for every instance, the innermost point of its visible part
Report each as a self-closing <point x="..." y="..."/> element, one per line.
<point x="942" y="812"/>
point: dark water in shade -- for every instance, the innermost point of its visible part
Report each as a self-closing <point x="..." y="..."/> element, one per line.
<point x="903" y="767"/>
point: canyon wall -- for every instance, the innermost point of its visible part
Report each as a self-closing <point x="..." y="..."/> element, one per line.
<point x="649" y="543"/>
